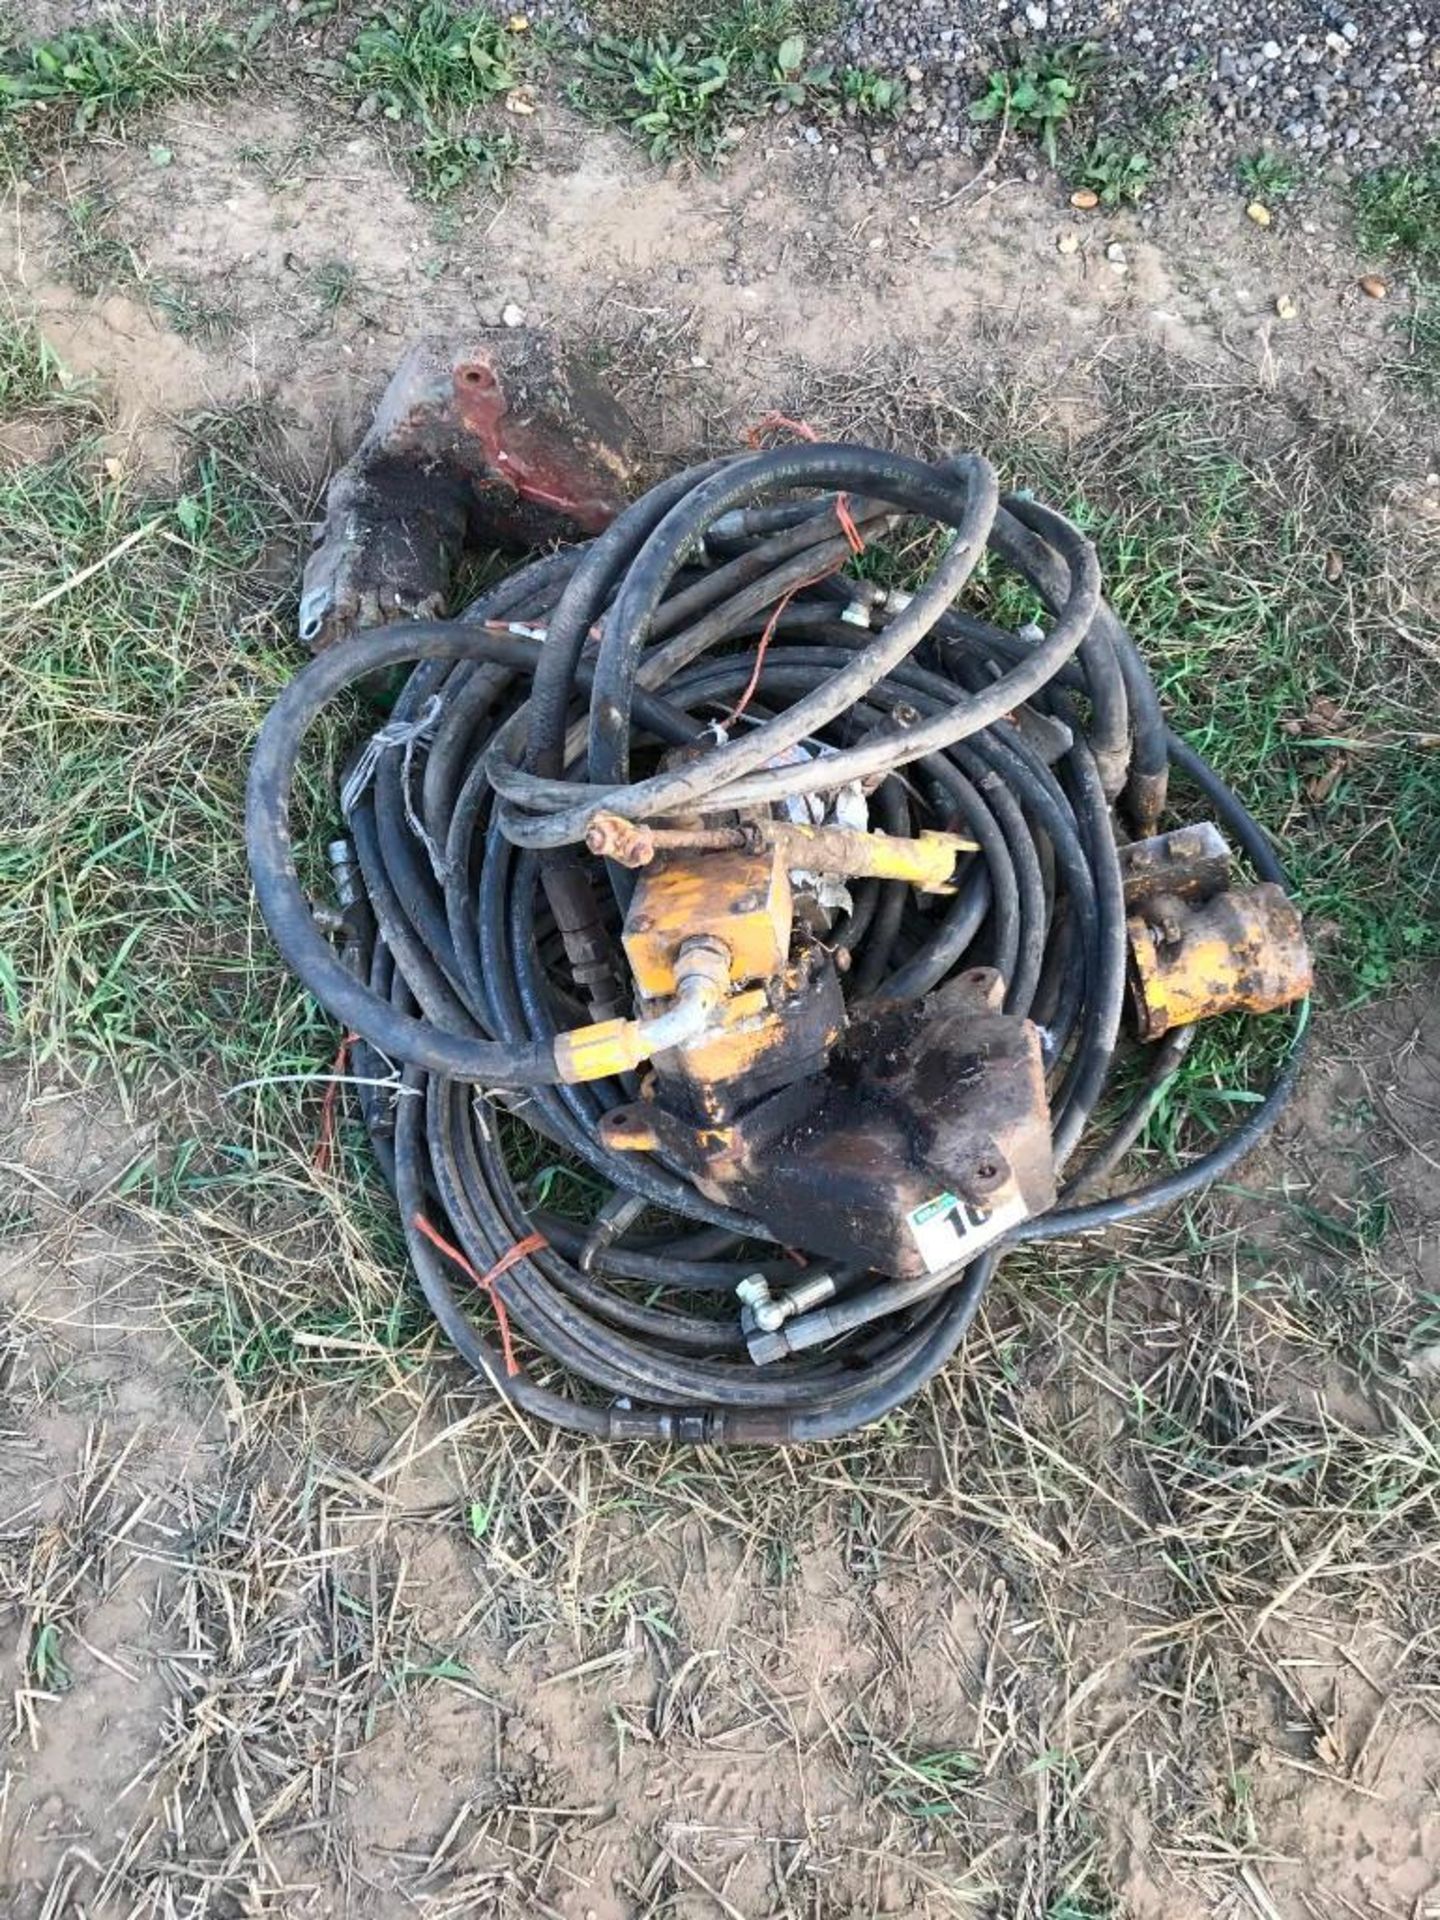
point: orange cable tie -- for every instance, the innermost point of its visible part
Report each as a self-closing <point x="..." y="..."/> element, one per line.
<point x="320" y="1159"/>
<point x="532" y="1243"/>
<point x="847" y="525"/>
<point x="765" y="638"/>
<point x="778" y="423"/>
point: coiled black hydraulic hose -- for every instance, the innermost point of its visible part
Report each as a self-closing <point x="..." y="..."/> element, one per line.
<point x="552" y="698"/>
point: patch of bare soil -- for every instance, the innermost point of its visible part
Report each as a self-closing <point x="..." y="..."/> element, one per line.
<point x="309" y="245"/>
<point x="375" y="1652"/>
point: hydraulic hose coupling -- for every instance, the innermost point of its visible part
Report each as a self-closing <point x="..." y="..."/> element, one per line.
<point x="611" y="1047"/>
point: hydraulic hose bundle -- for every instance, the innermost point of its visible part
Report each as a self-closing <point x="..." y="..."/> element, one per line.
<point x="710" y="673"/>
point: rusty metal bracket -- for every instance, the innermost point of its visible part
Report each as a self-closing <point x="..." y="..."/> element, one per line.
<point x="500" y="441"/>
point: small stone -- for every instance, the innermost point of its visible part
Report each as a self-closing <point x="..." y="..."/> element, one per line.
<point x="914" y="75"/>
<point x="1068" y="243"/>
<point x="1415" y="39"/>
<point x="512" y="316"/>
<point x="1372" y="284"/>
<point x="1038" y="16"/>
<point x="1271" y="50"/>
<point x="1259" y="213"/>
<point x="1285" y="307"/>
<point x="1115" y="254"/>
<point x="1084" y="199"/>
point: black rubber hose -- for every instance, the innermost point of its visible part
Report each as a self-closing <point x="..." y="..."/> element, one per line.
<point x="713" y="617"/>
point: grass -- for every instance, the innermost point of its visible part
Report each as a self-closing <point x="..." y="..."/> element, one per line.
<point x="1268" y="177"/>
<point x="333" y="283"/>
<point x="1290" y="643"/>
<point x="1397" y="213"/>
<point x="94" y="255"/>
<point x="1280" y="674"/>
<point x="426" y="62"/>
<point x="104" y="75"/>
<point x="143" y="639"/>
<point x="430" y="68"/>
<point x="692" y="94"/>
<point x="191" y="313"/>
<point x="927" y="1784"/>
<point x="30" y="372"/>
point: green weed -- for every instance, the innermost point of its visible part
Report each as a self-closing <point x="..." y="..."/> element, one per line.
<point x="427" y="62"/>
<point x="871" y="95"/>
<point x="694" y="94"/>
<point x="1268" y="177"/>
<point x="672" y="96"/>
<point x="47" y="1663"/>
<point x="1116" y="170"/>
<point x="431" y="67"/>
<point x="1397" y="211"/>
<point x="99" y="76"/>
<point x="1038" y="96"/>
<point x="445" y="162"/>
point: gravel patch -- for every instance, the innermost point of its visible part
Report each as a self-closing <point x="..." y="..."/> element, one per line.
<point x="1322" y="81"/>
<point x="1358" y="82"/>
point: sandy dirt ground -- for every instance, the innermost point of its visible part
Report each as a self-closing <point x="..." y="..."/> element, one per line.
<point x="383" y="1652"/>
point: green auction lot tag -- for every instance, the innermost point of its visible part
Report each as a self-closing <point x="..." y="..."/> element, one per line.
<point x="947" y="1231"/>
